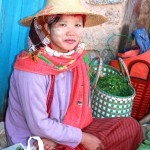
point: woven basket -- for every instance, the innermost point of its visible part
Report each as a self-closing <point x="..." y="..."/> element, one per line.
<point x="107" y="105"/>
<point x="141" y="104"/>
<point x="139" y="70"/>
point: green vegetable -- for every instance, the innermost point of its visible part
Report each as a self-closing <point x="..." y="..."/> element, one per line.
<point x="114" y="84"/>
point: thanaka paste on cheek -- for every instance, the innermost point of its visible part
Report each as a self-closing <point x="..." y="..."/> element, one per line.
<point x="57" y="31"/>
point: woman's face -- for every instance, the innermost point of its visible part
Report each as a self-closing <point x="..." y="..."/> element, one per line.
<point x="66" y="33"/>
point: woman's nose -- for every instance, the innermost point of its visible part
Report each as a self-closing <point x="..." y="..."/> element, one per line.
<point x="71" y="31"/>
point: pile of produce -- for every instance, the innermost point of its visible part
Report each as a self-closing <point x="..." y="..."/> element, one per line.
<point x="113" y="84"/>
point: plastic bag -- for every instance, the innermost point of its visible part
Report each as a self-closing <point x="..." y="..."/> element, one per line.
<point x="20" y="146"/>
<point x="142" y="39"/>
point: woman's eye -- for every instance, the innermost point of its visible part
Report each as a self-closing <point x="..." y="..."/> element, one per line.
<point x="78" y="25"/>
<point x="63" y="25"/>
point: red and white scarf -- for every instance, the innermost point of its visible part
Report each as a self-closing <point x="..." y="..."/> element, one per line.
<point x="79" y="113"/>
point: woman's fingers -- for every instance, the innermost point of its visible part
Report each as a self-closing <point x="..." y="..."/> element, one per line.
<point x="48" y="144"/>
<point x="48" y="147"/>
<point x="101" y="146"/>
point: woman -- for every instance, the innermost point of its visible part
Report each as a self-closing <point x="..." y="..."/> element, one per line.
<point x="49" y="90"/>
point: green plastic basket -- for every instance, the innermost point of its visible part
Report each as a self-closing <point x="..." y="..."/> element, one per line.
<point x="107" y="105"/>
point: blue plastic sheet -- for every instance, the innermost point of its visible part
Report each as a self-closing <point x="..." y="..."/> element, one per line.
<point x="142" y="39"/>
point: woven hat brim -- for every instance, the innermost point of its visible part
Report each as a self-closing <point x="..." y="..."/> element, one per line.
<point x="91" y="19"/>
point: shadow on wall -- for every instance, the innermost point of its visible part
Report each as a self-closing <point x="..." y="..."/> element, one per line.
<point x="130" y="22"/>
<point x="123" y="40"/>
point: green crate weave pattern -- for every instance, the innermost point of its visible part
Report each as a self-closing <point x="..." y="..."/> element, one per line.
<point x="103" y="106"/>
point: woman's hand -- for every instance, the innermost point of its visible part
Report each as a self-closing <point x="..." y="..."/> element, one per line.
<point x="91" y="142"/>
<point x="48" y="144"/>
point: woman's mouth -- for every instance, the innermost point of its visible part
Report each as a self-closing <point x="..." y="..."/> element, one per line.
<point x="70" y="41"/>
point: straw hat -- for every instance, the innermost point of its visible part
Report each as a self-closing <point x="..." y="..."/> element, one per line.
<point x="67" y="7"/>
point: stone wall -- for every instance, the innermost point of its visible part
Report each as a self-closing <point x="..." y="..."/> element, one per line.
<point x="122" y="18"/>
<point x="144" y="18"/>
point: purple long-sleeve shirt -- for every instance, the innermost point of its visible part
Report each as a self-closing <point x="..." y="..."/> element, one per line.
<point x="26" y="114"/>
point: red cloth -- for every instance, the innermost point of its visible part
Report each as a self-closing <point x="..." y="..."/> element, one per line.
<point x="50" y="95"/>
<point x="80" y="99"/>
<point x="115" y="133"/>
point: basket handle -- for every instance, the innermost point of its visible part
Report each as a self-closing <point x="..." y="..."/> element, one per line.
<point x="130" y="38"/>
<point x="139" y="61"/>
<point x="122" y="63"/>
<point x="99" y="72"/>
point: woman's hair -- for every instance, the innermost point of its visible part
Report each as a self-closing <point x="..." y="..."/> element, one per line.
<point x="56" y="19"/>
<point x="51" y="20"/>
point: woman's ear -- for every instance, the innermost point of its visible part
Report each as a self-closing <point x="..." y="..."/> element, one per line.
<point x="46" y="28"/>
<point x="47" y="31"/>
